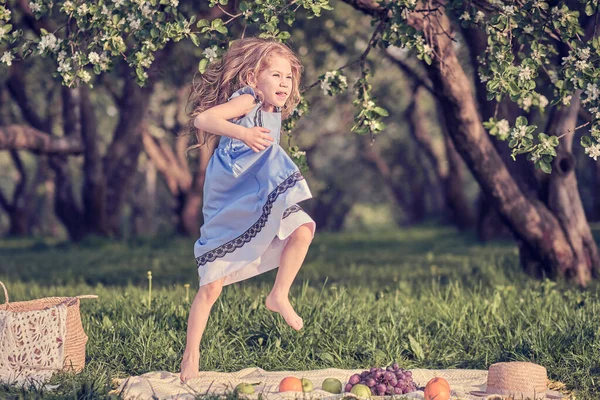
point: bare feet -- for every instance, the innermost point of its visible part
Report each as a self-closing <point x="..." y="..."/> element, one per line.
<point x="190" y="366"/>
<point x="282" y="306"/>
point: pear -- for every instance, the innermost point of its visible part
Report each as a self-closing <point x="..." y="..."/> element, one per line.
<point x="245" y="388"/>
<point x="332" y="385"/>
<point x="361" y="390"/>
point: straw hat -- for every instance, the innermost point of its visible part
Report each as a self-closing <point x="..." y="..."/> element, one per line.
<point x="518" y="380"/>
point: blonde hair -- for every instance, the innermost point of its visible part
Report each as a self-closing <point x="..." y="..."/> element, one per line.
<point x="232" y="72"/>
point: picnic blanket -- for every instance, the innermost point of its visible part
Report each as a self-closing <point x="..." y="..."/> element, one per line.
<point x="166" y="385"/>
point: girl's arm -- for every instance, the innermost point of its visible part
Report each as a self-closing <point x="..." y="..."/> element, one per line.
<point x="215" y="120"/>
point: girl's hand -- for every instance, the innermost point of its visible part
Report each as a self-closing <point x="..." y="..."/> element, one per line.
<point x="256" y="138"/>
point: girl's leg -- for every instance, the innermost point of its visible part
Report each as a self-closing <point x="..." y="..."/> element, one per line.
<point x="203" y="302"/>
<point x="291" y="261"/>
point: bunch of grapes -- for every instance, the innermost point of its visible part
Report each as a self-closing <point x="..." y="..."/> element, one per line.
<point x="389" y="381"/>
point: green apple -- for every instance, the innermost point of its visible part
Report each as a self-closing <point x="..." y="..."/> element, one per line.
<point x="307" y="385"/>
<point x="361" y="390"/>
<point x="332" y="385"/>
<point x="245" y="388"/>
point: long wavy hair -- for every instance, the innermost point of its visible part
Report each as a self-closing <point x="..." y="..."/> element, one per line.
<point x="244" y="58"/>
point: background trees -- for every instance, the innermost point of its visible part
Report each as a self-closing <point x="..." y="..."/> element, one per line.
<point x="110" y="159"/>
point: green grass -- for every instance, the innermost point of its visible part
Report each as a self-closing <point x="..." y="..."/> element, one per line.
<point x="427" y="298"/>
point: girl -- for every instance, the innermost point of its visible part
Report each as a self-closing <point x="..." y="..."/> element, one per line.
<point x="252" y="223"/>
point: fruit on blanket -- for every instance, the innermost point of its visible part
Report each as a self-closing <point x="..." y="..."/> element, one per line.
<point x="391" y="380"/>
<point x="307" y="385"/>
<point x="332" y="385"/>
<point x="245" y="388"/>
<point x="437" y="389"/>
<point x="361" y="390"/>
<point x="290" y="384"/>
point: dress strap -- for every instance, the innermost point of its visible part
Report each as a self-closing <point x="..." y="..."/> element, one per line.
<point x="245" y="90"/>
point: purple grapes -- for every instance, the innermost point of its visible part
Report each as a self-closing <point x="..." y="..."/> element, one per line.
<point x="390" y="380"/>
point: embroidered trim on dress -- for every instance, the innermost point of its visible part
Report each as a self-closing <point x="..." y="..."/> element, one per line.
<point x="245" y="237"/>
<point x="290" y="210"/>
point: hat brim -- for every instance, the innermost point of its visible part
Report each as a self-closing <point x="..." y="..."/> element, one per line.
<point x="550" y="395"/>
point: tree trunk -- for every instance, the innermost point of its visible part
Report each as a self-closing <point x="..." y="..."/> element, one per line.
<point x="457" y="204"/>
<point x="94" y="184"/>
<point x="542" y="239"/>
<point x="563" y="193"/>
<point x="66" y="207"/>
<point x="122" y="155"/>
<point x="490" y="224"/>
<point x="190" y="204"/>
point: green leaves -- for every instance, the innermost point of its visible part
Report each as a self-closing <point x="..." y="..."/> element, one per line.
<point x="202" y="65"/>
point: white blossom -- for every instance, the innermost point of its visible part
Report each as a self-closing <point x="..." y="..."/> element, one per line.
<point x="483" y="77"/>
<point x="118" y="3"/>
<point x="465" y="16"/>
<point x="49" y="41"/>
<point x="298" y="153"/>
<point x="7" y="58"/>
<point x="105" y="11"/>
<point x="596" y="112"/>
<point x="527" y="102"/>
<point x="535" y="156"/>
<point x="35" y="7"/>
<point x="581" y="65"/>
<point x="566" y="100"/>
<point x="94" y="57"/>
<point x="525" y="73"/>
<point x="519" y="132"/>
<point x="593" y="151"/>
<point x="64" y="66"/>
<point x="569" y="59"/>
<point x="592" y="91"/>
<point x="583" y="53"/>
<point x="62" y="55"/>
<point x="82" y="9"/>
<point x="325" y="86"/>
<point x="427" y="49"/>
<point x="134" y="23"/>
<point x="210" y="53"/>
<point x="543" y="101"/>
<point x="479" y="16"/>
<point x="509" y="10"/>
<point x="174" y="3"/>
<point x="146" y="10"/>
<point x="503" y="128"/>
<point x="85" y="76"/>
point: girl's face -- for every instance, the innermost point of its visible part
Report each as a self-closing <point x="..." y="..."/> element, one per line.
<point x="275" y="82"/>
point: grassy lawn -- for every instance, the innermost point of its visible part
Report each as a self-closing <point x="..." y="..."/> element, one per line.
<point x="426" y="298"/>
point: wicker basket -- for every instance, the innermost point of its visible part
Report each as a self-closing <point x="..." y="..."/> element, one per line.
<point x="75" y="339"/>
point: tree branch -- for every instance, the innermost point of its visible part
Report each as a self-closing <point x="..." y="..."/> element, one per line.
<point x="23" y="137"/>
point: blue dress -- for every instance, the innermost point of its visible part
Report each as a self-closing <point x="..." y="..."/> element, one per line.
<point x="250" y="204"/>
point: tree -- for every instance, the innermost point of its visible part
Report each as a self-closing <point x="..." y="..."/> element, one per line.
<point x="553" y="235"/>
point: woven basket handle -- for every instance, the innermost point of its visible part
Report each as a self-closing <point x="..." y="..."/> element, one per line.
<point x="87" y="296"/>
<point x="5" y="293"/>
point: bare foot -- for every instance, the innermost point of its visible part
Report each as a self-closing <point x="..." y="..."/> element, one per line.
<point x="190" y="366"/>
<point x="282" y="306"/>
